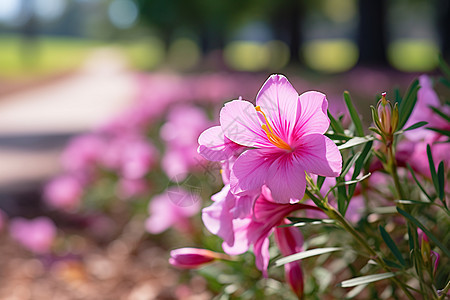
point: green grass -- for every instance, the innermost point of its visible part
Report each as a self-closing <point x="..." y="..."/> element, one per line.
<point x="47" y="55"/>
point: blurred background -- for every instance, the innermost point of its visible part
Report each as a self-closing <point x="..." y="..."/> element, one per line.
<point x="69" y="67"/>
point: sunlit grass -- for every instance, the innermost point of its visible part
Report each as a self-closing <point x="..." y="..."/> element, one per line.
<point x="19" y="58"/>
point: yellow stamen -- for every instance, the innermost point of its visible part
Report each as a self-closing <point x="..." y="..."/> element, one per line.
<point x="273" y="138"/>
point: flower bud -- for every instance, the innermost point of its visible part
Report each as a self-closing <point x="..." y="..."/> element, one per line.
<point x="192" y="258"/>
<point x="388" y="115"/>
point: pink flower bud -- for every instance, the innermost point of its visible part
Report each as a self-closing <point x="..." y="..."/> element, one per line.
<point x="192" y="258"/>
<point x="294" y="276"/>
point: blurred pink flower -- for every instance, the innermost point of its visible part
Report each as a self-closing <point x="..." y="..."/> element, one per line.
<point x="193" y="258"/>
<point x="130" y="155"/>
<point x="63" y="192"/>
<point x="82" y="153"/>
<point x="290" y="241"/>
<point x="285" y="132"/>
<point x="172" y="208"/>
<point x="36" y="235"/>
<point x="129" y="188"/>
<point x="180" y="133"/>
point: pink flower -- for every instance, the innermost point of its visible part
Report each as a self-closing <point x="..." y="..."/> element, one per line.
<point x="253" y="229"/>
<point x="285" y="135"/>
<point x="193" y="258"/>
<point x="36" y="235"/>
<point x="184" y="124"/>
<point x="290" y="241"/>
<point x="172" y="208"/>
<point x="83" y="152"/>
<point x="63" y="192"/>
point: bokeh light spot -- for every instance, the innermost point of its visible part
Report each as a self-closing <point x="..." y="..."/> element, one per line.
<point x="123" y="13"/>
<point x="331" y="56"/>
<point x="413" y="55"/>
<point x="184" y="54"/>
<point x="279" y="54"/>
<point x="246" y="55"/>
<point x="339" y="11"/>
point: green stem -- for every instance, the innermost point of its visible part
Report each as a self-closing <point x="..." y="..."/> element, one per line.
<point x="335" y="215"/>
<point x="444" y="291"/>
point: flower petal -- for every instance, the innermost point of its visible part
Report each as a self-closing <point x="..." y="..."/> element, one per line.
<point x="286" y="180"/>
<point x="214" y="146"/>
<point x="279" y="101"/>
<point x="319" y="155"/>
<point x="240" y="123"/>
<point x="313" y="114"/>
<point x="249" y="171"/>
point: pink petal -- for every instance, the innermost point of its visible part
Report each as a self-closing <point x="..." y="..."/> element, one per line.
<point x="279" y="101"/>
<point x="214" y="146"/>
<point x="262" y="256"/>
<point x="319" y="155"/>
<point x="240" y="123"/>
<point x="286" y="180"/>
<point x="241" y="239"/>
<point x="249" y="171"/>
<point x="313" y="114"/>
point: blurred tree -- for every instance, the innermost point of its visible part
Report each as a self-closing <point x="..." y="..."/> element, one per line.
<point x="372" y="32"/>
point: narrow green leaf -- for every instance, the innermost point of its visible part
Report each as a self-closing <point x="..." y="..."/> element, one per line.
<point x="425" y="230"/>
<point x="348" y="164"/>
<point x="354" y="181"/>
<point x="411" y="240"/>
<point x="359" y="165"/>
<point x="375" y="130"/>
<point x="441" y="131"/>
<point x="407" y="104"/>
<point x="300" y="222"/>
<point x="338" y="136"/>
<point x="375" y="117"/>
<point x="444" y="67"/>
<point x="440" y="113"/>
<point x="412" y="202"/>
<point x="390" y="243"/>
<point x="359" y="131"/>
<point x="320" y="180"/>
<point x="392" y="264"/>
<point x="432" y="169"/>
<point x="416" y="125"/>
<point x="335" y="125"/>
<point x="305" y="254"/>
<point x="366" y="279"/>
<point x="342" y="198"/>
<point x="355" y="142"/>
<point x="441" y="181"/>
<point x="418" y="183"/>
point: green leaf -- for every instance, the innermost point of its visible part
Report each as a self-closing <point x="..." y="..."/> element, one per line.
<point x="418" y="183"/>
<point x="407" y="104"/>
<point x="412" y="202"/>
<point x="341" y="196"/>
<point x="358" y="166"/>
<point x="390" y="243"/>
<point x="335" y="125"/>
<point x="355" y="142"/>
<point x="359" y="131"/>
<point x="338" y="136"/>
<point x="305" y="254"/>
<point x="432" y="169"/>
<point x="416" y="125"/>
<point x="444" y="67"/>
<point x="441" y="131"/>
<point x="354" y="181"/>
<point x="440" y="113"/>
<point x="355" y="291"/>
<point x="411" y="239"/>
<point x="366" y="279"/>
<point x="348" y="164"/>
<point x="425" y="230"/>
<point x="441" y="181"/>
<point x="320" y="180"/>
<point x="300" y="222"/>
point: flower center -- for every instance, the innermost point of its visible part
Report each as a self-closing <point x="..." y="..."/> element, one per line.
<point x="273" y="138"/>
